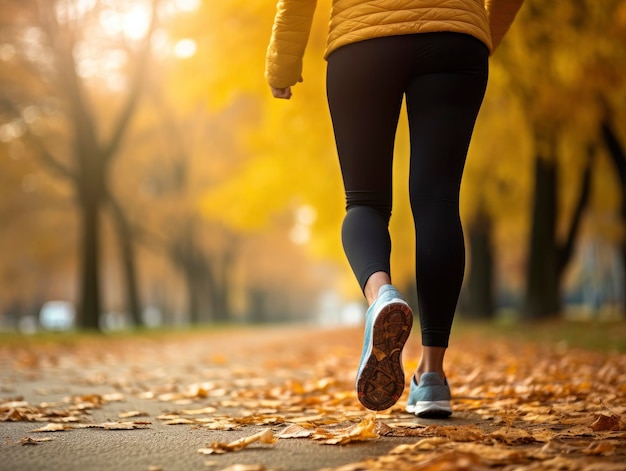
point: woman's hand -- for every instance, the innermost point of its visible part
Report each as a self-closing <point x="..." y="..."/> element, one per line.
<point x="283" y="93"/>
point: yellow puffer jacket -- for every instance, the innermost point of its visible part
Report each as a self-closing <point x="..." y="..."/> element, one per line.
<point x="358" y="20"/>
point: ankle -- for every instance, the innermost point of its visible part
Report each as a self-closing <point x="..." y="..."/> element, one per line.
<point x="431" y="362"/>
<point x="418" y="374"/>
<point x="373" y="285"/>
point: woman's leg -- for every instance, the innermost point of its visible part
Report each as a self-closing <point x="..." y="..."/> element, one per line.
<point x="365" y="87"/>
<point x="443" y="100"/>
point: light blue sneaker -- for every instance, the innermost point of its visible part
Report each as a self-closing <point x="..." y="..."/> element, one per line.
<point x="429" y="398"/>
<point x="388" y="322"/>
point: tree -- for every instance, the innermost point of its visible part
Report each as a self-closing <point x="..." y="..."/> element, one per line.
<point x="54" y="40"/>
<point x="545" y="72"/>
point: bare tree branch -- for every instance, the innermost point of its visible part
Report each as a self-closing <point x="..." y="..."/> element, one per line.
<point x="41" y="152"/>
<point x="135" y="90"/>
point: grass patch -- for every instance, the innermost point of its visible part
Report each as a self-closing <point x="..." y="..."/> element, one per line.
<point x="609" y="336"/>
<point x="77" y="337"/>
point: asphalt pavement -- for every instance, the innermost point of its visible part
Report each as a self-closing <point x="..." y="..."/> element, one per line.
<point x="96" y="387"/>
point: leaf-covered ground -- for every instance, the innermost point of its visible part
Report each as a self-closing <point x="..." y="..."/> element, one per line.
<point x="518" y="404"/>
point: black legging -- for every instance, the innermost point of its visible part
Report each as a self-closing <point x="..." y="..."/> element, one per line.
<point x="443" y="76"/>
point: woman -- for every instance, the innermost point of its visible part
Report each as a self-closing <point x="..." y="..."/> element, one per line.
<point x="434" y="54"/>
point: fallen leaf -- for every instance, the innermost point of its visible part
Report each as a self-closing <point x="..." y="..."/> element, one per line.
<point x="383" y="429"/>
<point x="492" y="454"/>
<point x="265" y="436"/>
<point x="245" y="467"/>
<point x="221" y="424"/>
<point x="364" y="430"/>
<point x="34" y="441"/>
<point x="132" y="413"/>
<point x="604" y="448"/>
<point x="54" y="428"/>
<point x="430" y="443"/>
<point x="115" y="425"/>
<point x="113" y="397"/>
<point x="603" y="422"/>
<point x="512" y="436"/>
<point x="467" y="433"/>
<point x="295" y="431"/>
<point x="204" y="410"/>
<point x="179" y="421"/>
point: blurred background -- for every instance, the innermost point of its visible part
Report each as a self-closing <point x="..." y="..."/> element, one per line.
<point x="149" y="179"/>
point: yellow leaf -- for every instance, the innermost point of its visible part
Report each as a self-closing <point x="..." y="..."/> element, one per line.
<point x="364" y="430"/>
<point x="266" y="436"/>
<point x="295" y="431"/>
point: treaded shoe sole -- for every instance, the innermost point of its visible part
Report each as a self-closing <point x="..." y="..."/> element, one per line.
<point x="431" y="409"/>
<point x="381" y="381"/>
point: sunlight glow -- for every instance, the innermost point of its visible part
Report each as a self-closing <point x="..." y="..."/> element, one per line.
<point x="300" y="235"/>
<point x="305" y="216"/>
<point x="73" y="10"/>
<point x="136" y="22"/>
<point x="187" y="5"/>
<point x="132" y="23"/>
<point x="185" y="48"/>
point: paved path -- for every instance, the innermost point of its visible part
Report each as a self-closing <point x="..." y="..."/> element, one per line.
<point x="233" y="371"/>
<point x="150" y="402"/>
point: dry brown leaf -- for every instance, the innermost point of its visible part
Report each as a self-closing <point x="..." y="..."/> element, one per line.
<point x="603" y="422"/>
<point x="179" y="421"/>
<point x="604" y="466"/>
<point x="12" y="404"/>
<point x="115" y="425"/>
<point x="364" y="430"/>
<point x="168" y="417"/>
<point x="34" y="441"/>
<point x="312" y="419"/>
<point x="54" y="428"/>
<point x="295" y="431"/>
<point x="93" y="399"/>
<point x="512" y="436"/>
<point x="467" y="433"/>
<point x="383" y="429"/>
<point x="132" y="413"/>
<point x="492" y="454"/>
<point x="265" y="436"/>
<point x="449" y="461"/>
<point x="604" y="448"/>
<point x="244" y="467"/>
<point x="13" y="415"/>
<point x="220" y="424"/>
<point x="424" y="444"/>
<point x="204" y="410"/>
<point x="113" y="397"/>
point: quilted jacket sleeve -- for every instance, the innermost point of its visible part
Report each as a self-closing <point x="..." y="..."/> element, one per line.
<point x="290" y="33"/>
<point x="501" y="15"/>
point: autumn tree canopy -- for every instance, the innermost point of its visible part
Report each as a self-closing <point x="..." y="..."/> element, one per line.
<point x="144" y="162"/>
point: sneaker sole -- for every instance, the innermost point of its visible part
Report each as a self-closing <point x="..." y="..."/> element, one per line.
<point x="431" y="409"/>
<point x="381" y="381"/>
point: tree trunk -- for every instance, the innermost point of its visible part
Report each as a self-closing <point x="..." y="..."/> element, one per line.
<point x="618" y="157"/>
<point x="479" y="295"/>
<point x="129" y="267"/>
<point x="220" y="286"/>
<point x="90" y="308"/>
<point x="548" y="258"/>
<point x="193" y="301"/>
<point x="542" y="281"/>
